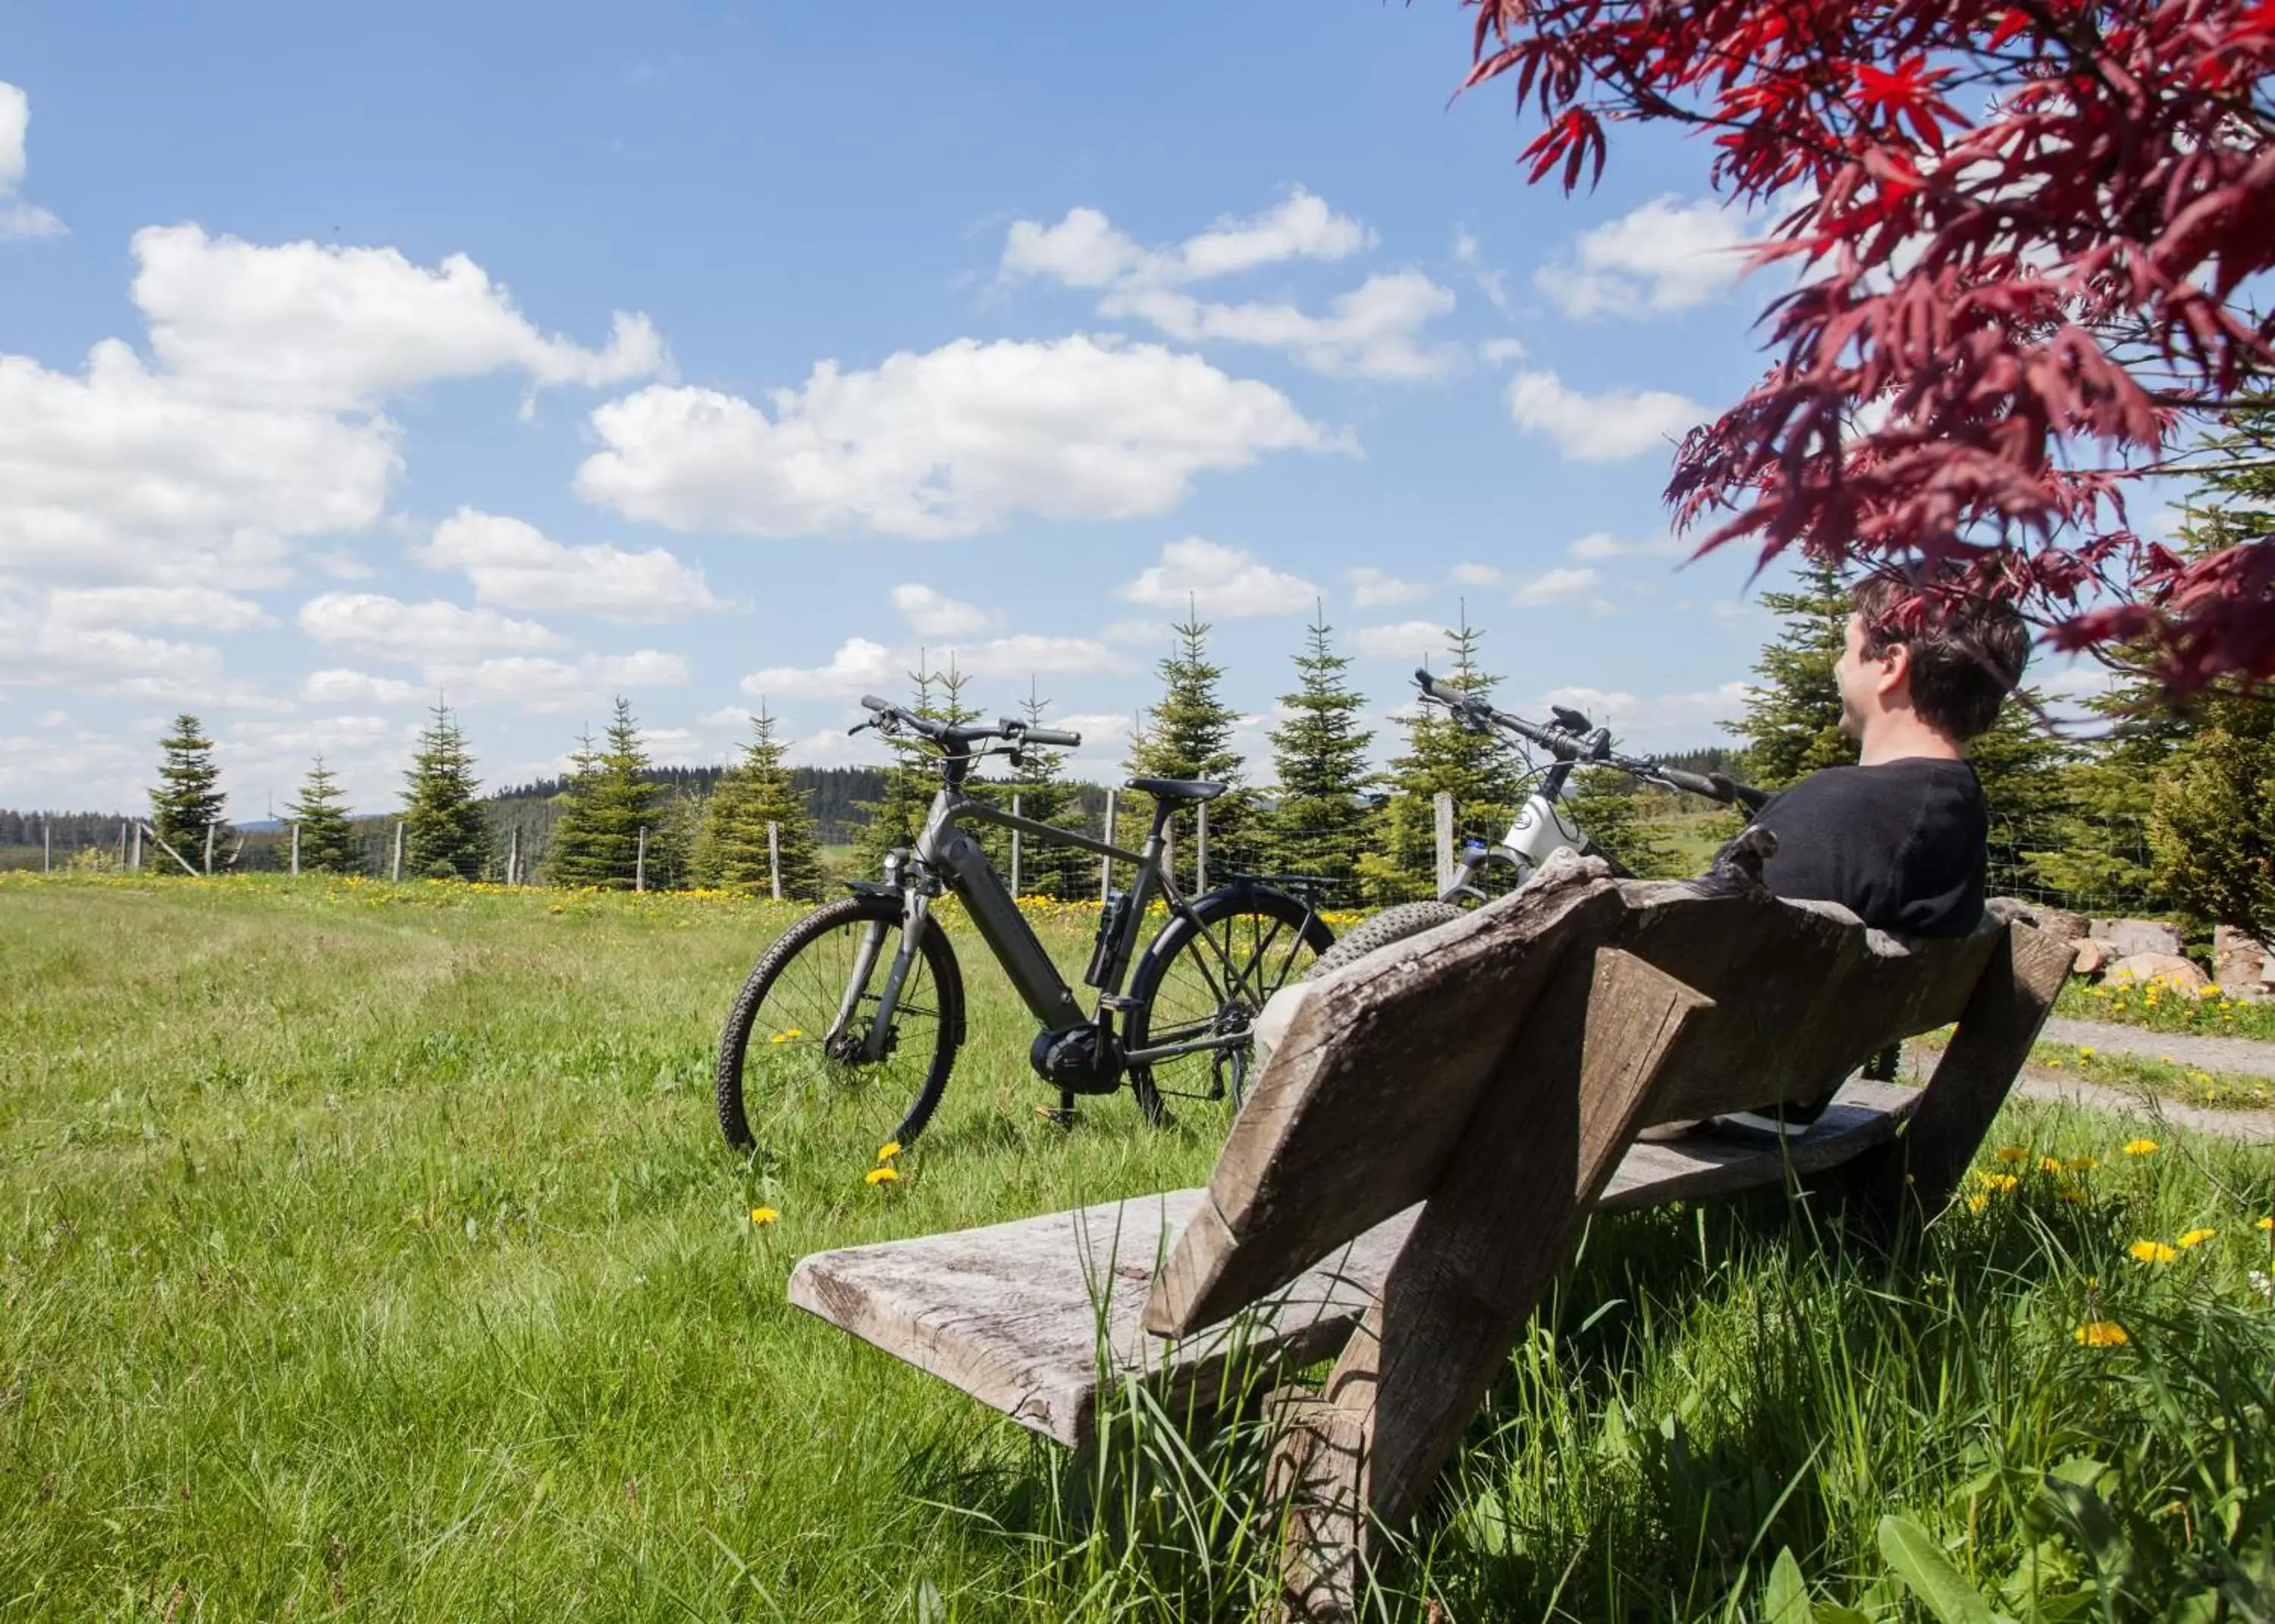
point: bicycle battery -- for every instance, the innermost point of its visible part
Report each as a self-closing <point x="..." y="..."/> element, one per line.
<point x="1110" y="921"/>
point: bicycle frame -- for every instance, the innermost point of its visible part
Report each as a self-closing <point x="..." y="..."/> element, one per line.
<point x="946" y="857"/>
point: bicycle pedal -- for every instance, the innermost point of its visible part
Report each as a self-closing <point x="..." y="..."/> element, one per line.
<point x="1119" y="1005"/>
<point x="1062" y="1118"/>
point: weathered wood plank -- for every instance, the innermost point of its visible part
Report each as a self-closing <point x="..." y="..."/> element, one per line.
<point x="1008" y="1313"/>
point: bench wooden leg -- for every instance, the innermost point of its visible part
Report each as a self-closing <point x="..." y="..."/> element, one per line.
<point x="1358" y="1458"/>
<point x="1920" y="1171"/>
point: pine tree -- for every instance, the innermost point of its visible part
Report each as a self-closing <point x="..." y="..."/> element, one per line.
<point x="1792" y="723"/>
<point x="913" y="779"/>
<point x="731" y="850"/>
<point x="1318" y="753"/>
<point x="1477" y="769"/>
<point x="1620" y="815"/>
<point x="1045" y="796"/>
<point x="445" y="834"/>
<point x="186" y="808"/>
<point x="609" y="798"/>
<point x="1187" y="733"/>
<point x="327" y="845"/>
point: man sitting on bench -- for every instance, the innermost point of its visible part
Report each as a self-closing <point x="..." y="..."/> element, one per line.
<point x="1901" y="839"/>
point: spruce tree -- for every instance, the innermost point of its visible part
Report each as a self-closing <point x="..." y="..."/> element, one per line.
<point x="445" y="834"/>
<point x="1318" y="753"/>
<point x="186" y="806"/>
<point x="731" y="850"/>
<point x="1045" y="796"/>
<point x="1477" y="769"/>
<point x="1792" y="724"/>
<point x="1620" y="815"/>
<point x="608" y="799"/>
<point x="1187" y="733"/>
<point x="2025" y="771"/>
<point x="327" y="845"/>
<point x="913" y="779"/>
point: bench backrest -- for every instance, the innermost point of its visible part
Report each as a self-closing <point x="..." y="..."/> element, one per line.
<point x="1382" y="1074"/>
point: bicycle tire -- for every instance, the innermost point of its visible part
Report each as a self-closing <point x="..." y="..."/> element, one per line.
<point x="1179" y="987"/>
<point x="1391" y="925"/>
<point x="804" y="1072"/>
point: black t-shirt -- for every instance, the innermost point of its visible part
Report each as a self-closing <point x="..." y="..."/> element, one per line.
<point x="1902" y="845"/>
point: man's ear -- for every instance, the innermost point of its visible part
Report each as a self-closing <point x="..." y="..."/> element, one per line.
<point x="1895" y="673"/>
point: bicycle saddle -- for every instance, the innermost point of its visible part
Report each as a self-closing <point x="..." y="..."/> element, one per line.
<point x="1177" y="789"/>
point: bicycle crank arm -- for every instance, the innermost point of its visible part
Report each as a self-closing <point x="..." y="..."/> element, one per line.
<point x="1197" y="1045"/>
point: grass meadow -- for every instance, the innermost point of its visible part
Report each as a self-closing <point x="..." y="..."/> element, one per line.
<point x="370" y="1252"/>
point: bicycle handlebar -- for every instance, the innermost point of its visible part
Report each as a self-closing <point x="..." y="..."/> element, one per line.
<point x="1567" y="746"/>
<point x="889" y="715"/>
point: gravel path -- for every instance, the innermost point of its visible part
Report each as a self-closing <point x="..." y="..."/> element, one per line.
<point x="2254" y="1127"/>
<point x="2246" y="1055"/>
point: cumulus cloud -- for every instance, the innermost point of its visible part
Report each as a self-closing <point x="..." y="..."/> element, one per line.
<point x="944" y="443"/>
<point x="308" y="324"/>
<point x="1662" y="257"/>
<point x="1230" y="582"/>
<point x="933" y="613"/>
<point x="41" y="649"/>
<point x="859" y="667"/>
<point x="1599" y="544"/>
<point x="513" y="565"/>
<point x="1600" y="429"/>
<point x="338" y="686"/>
<point x="1028" y="653"/>
<point x="202" y="607"/>
<point x="1470" y="256"/>
<point x="429" y="633"/>
<point x="1408" y="640"/>
<point x="1374" y="588"/>
<point x="1554" y="586"/>
<point x="547" y="686"/>
<point x="1086" y="249"/>
<point x="19" y="220"/>
<point x="1373" y="331"/>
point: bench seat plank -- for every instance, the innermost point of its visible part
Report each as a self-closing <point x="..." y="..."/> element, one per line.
<point x="1010" y="1313"/>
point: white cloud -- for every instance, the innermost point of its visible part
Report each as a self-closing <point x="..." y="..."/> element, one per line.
<point x="1027" y="651"/>
<point x="1408" y="640"/>
<point x="430" y="633"/>
<point x="1662" y="257"/>
<point x="19" y="220"/>
<point x="835" y="747"/>
<point x="1472" y="258"/>
<point x="1553" y="587"/>
<point x="944" y="443"/>
<point x="1374" y="588"/>
<point x="1500" y="351"/>
<point x="933" y="613"/>
<point x="1085" y="250"/>
<point x="1227" y="582"/>
<point x="1600" y="544"/>
<point x="1479" y="575"/>
<point x="307" y="324"/>
<point x="513" y="565"/>
<point x="1373" y="331"/>
<point x="1135" y="631"/>
<point x="341" y="686"/>
<point x="545" y="686"/>
<point x="859" y="667"/>
<point x="40" y="649"/>
<point x="1600" y="429"/>
<point x="1600" y="705"/>
<point x="202" y="607"/>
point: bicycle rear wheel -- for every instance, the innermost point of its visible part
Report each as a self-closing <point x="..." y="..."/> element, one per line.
<point x="1208" y="983"/>
<point x="791" y="1061"/>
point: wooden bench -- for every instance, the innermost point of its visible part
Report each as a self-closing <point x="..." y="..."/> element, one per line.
<point x="1418" y="1157"/>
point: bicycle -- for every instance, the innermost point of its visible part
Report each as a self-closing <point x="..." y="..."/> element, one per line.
<point x="1543" y="825"/>
<point x="851" y="1029"/>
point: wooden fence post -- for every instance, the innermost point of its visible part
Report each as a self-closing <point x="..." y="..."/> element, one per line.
<point x="188" y="867"/>
<point x="395" y="871"/>
<point x="1014" y="849"/>
<point x="135" y="861"/>
<point x="1169" y="849"/>
<point x="513" y="855"/>
<point x="1200" y="848"/>
<point x="1442" y="805"/>
<point x="639" y="862"/>
<point x="209" y="832"/>
<point x="1106" y="865"/>
<point x="296" y="850"/>
<point x="47" y="845"/>
<point x="774" y="858"/>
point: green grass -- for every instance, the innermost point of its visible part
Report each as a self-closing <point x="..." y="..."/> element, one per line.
<point x="370" y="1251"/>
<point x="2162" y="1009"/>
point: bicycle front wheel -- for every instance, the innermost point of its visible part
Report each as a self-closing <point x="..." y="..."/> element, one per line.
<point x="1203" y="985"/>
<point x="794" y="1061"/>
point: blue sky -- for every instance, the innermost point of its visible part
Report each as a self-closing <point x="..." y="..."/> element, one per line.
<point x="702" y="353"/>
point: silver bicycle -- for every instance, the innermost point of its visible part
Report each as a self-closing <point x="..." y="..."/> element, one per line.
<point x="850" y="1023"/>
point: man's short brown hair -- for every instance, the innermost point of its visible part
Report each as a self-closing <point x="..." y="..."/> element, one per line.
<point x="1967" y="651"/>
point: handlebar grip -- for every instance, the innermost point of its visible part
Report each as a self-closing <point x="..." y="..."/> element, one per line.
<point x="1054" y="737"/>
<point x="872" y="702"/>
<point x="1694" y="784"/>
<point x="1745" y="793"/>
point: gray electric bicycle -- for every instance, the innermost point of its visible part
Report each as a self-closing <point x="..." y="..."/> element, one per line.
<point x="856" y="1012"/>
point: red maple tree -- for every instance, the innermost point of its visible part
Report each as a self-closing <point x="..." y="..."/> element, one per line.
<point x="2022" y="244"/>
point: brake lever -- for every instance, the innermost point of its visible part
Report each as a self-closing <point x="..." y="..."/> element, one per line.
<point x="858" y="727"/>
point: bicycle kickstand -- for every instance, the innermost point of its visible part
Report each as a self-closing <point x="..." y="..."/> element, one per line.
<point x="1064" y="1116"/>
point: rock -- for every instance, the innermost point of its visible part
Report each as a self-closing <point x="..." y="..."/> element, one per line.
<point x="2132" y="936"/>
<point x="2139" y="969"/>
<point x="2241" y="963"/>
<point x="2093" y="956"/>
<point x="2054" y="921"/>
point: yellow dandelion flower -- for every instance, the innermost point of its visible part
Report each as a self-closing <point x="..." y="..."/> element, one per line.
<point x="2081" y="1164"/>
<point x="2048" y="1163"/>
<point x="1975" y="1204"/>
<point x="2264" y="1225"/>
<point x="2054" y="1063"/>
<point x="2012" y="1152"/>
<point x="2101" y="1333"/>
<point x="2140" y="1147"/>
<point x="2085" y="1051"/>
<point x="763" y="1215"/>
<point x="2210" y="990"/>
<point x="1997" y="1183"/>
<point x="888" y="1149"/>
<point x="2150" y="1251"/>
<point x="2196" y="1237"/>
<point x="880" y="1176"/>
